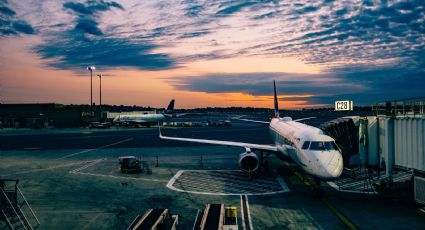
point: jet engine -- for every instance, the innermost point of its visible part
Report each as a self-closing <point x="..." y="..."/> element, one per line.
<point x="248" y="161"/>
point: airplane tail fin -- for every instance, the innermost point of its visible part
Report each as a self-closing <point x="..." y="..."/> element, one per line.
<point x="170" y="108"/>
<point x="276" y="104"/>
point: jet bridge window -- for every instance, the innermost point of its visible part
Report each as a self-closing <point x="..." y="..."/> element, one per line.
<point x="306" y="145"/>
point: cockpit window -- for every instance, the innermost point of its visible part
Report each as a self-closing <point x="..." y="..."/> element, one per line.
<point x="306" y="145"/>
<point x="322" y="146"/>
<point x="330" y="145"/>
<point x="315" y="145"/>
<point x="335" y="146"/>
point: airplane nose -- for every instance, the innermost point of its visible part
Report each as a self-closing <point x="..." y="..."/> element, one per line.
<point x="335" y="166"/>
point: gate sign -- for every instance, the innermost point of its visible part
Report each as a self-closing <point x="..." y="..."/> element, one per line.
<point x="343" y="105"/>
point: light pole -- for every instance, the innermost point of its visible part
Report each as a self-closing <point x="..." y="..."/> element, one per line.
<point x="91" y="69"/>
<point x="100" y="89"/>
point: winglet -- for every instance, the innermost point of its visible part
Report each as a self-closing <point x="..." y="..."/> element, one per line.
<point x="276" y="104"/>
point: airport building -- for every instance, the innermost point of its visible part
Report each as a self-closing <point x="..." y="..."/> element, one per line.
<point x="46" y="115"/>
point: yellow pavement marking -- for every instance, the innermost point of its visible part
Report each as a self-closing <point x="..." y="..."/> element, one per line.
<point x="350" y="225"/>
<point x="344" y="219"/>
<point x="92" y="221"/>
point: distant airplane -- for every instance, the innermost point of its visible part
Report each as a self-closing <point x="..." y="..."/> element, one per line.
<point x="307" y="146"/>
<point x="146" y="119"/>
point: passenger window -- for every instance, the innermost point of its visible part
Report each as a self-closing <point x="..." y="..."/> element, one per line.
<point x="306" y="145"/>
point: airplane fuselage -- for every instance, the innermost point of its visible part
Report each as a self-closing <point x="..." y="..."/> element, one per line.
<point x="142" y="118"/>
<point x="315" y="152"/>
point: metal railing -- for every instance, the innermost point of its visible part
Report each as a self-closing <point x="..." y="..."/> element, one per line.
<point x="7" y="219"/>
<point x="29" y="207"/>
<point x="411" y="107"/>
<point x="14" y="210"/>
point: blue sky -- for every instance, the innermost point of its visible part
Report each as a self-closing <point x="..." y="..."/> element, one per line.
<point x="206" y="51"/>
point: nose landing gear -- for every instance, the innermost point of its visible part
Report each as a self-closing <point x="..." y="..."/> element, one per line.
<point x="317" y="188"/>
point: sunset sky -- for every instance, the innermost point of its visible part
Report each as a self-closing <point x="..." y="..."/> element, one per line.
<point x="212" y="52"/>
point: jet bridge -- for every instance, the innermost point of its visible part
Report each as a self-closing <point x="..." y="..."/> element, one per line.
<point x="393" y="139"/>
<point x="346" y="136"/>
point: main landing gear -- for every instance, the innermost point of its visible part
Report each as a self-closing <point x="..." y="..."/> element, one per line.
<point x="264" y="163"/>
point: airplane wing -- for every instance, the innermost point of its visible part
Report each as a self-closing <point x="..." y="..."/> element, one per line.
<point x="262" y="122"/>
<point x="266" y="122"/>
<point x="306" y="118"/>
<point x="181" y="114"/>
<point x="227" y="143"/>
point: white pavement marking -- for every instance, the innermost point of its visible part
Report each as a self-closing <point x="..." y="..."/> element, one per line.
<point x="249" y="213"/>
<point x="87" y="165"/>
<point x="171" y="182"/>
<point x="33" y="148"/>
<point x="48" y="168"/>
<point x="173" y="179"/>
<point x="94" y="162"/>
<point x="242" y="214"/>
<point x="121" y="177"/>
<point x="89" y="150"/>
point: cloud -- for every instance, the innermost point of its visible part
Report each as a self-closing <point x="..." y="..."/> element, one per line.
<point x="86" y="44"/>
<point x="260" y="84"/>
<point x="87" y="25"/>
<point x="194" y="34"/>
<point x="75" y="52"/>
<point x="365" y="84"/>
<point x="4" y="10"/>
<point x="307" y="9"/>
<point x="10" y="25"/>
<point x="23" y="27"/>
<point x="7" y="31"/>
<point x="77" y="7"/>
<point x="366" y="47"/>
<point x="87" y="14"/>
<point x="91" y="6"/>
<point x="359" y="33"/>
<point x="235" y="8"/>
<point x="193" y="10"/>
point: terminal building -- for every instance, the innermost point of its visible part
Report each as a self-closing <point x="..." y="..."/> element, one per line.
<point x="44" y="115"/>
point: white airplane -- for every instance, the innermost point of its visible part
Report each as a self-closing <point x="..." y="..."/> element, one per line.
<point x="307" y="146"/>
<point x="148" y="118"/>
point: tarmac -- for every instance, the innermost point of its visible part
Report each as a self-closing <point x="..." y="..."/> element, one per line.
<point x="72" y="180"/>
